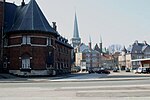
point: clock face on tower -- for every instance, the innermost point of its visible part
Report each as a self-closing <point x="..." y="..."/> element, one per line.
<point x="76" y="42"/>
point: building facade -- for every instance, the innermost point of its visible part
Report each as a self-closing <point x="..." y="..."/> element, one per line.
<point x="32" y="46"/>
<point x="135" y="51"/>
<point x="88" y="55"/>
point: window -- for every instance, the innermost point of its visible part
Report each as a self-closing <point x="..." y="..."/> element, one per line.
<point x="49" y="41"/>
<point x="134" y="63"/>
<point x="57" y="66"/>
<point x="26" y="40"/>
<point x="26" y="62"/>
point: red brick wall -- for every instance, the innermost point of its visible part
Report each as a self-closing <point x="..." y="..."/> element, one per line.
<point x="38" y="54"/>
<point x="14" y="54"/>
<point x="40" y="41"/>
<point x="15" y="41"/>
<point x="63" y="55"/>
<point x="39" y="57"/>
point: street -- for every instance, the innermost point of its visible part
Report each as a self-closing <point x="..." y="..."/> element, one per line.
<point x="79" y="87"/>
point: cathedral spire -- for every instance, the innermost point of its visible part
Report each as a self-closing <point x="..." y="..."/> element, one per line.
<point x="100" y="39"/>
<point x="76" y="31"/>
<point x="90" y="43"/>
<point x="76" y="40"/>
<point x="101" y="45"/>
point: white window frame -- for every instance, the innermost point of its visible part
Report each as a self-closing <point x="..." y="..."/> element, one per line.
<point x="26" y="63"/>
<point x="49" y="41"/>
<point x="26" y="39"/>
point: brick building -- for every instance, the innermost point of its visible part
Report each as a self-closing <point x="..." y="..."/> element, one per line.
<point x="32" y="46"/>
<point x="132" y="57"/>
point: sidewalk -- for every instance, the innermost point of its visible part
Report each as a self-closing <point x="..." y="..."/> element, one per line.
<point x="81" y="77"/>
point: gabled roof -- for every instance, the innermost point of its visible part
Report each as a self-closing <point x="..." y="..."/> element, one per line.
<point x="82" y="47"/>
<point x="124" y="49"/>
<point x="137" y="47"/>
<point x="90" y="51"/>
<point x="144" y="47"/>
<point x="30" y="17"/>
<point x="97" y="48"/>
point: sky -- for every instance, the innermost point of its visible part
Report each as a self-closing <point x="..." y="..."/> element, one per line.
<point x="116" y="21"/>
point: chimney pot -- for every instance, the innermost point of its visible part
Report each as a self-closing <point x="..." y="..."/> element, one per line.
<point x="54" y="26"/>
<point x="22" y="3"/>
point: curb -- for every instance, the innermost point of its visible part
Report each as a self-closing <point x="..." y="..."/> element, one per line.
<point x="67" y="80"/>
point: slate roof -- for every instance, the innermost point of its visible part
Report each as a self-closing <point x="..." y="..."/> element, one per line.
<point x="90" y="51"/>
<point x="97" y="48"/>
<point x="124" y="49"/>
<point x="9" y="10"/>
<point x="30" y="18"/>
<point x="137" y="47"/>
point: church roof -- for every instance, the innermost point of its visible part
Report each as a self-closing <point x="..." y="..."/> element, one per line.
<point x="29" y="17"/>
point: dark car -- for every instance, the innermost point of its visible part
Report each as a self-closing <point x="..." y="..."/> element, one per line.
<point x="91" y="71"/>
<point x="127" y="70"/>
<point x="103" y="72"/>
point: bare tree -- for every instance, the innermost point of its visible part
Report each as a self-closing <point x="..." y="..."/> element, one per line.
<point x="114" y="48"/>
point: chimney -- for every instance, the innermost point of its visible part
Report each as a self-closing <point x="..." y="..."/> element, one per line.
<point x="100" y="46"/>
<point x="145" y="43"/>
<point x="90" y="43"/>
<point x="54" y="26"/>
<point x="22" y="3"/>
<point x="136" y="42"/>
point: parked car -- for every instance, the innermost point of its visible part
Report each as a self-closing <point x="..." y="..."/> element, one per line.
<point x="91" y="71"/>
<point x="143" y="70"/>
<point x="103" y="72"/>
<point x="115" y="70"/>
<point x="127" y="70"/>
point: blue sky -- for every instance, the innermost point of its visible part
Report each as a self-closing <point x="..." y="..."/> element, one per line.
<point x="117" y="21"/>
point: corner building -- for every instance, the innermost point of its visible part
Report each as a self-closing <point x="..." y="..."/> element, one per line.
<point x="32" y="46"/>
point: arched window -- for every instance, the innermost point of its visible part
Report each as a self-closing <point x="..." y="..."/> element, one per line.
<point x="26" y="62"/>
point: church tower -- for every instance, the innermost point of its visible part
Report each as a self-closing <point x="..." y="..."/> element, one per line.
<point x="76" y="40"/>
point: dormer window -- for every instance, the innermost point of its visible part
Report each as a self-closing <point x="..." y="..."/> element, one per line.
<point x="26" y="40"/>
